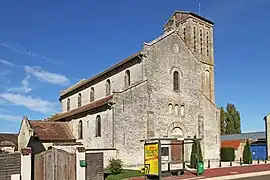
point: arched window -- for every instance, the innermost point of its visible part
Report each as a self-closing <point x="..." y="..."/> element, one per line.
<point x="176" y="109"/>
<point x="98" y="126"/>
<point x="207" y="83"/>
<point x="80" y="130"/>
<point x="182" y="110"/>
<point x="108" y="87"/>
<point x="184" y="34"/>
<point x="79" y="100"/>
<point x="176" y="81"/>
<point x="195" y="39"/>
<point x="92" y="94"/>
<point x="207" y="43"/>
<point x="201" y="40"/>
<point x="68" y="104"/>
<point x="127" y="78"/>
<point x="170" y="108"/>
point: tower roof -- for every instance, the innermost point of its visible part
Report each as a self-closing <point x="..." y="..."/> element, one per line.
<point x="187" y="14"/>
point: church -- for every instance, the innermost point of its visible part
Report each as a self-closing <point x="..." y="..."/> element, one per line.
<point x="166" y="89"/>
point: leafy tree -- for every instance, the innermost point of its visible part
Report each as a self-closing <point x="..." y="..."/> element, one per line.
<point x="247" y="156"/>
<point x="230" y="122"/>
<point x="193" y="156"/>
<point x="222" y="121"/>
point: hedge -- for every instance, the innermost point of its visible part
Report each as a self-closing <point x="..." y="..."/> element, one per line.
<point x="227" y="154"/>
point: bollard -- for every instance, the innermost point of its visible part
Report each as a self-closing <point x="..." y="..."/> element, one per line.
<point x="230" y="163"/>
<point x="208" y="163"/>
<point x="220" y="163"/>
<point x="241" y="161"/>
<point x="169" y="167"/>
<point x="258" y="161"/>
<point x="265" y="161"/>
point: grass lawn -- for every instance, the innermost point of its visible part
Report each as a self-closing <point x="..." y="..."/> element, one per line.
<point x="125" y="174"/>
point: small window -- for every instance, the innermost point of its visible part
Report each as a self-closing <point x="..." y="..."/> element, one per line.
<point x="207" y="43"/>
<point x="164" y="151"/>
<point x="170" y="108"/>
<point x="108" y="87"/>
<point x="195" y="39"/>
<point x="68" y="104"/>
<point x="176" y="109"/>
<point x="127" y="78"/>
<point x="182" y="110"/>
<point x="184" y="34"/>
<point x="201" y="40"/>
<point x="176" y="81"/>
<point x="98" y="126"/>
<point x="92" y="94"/>
<point x="207" y="82"/>
<point x="80" y="130"/>
<point x="79" y="100"/>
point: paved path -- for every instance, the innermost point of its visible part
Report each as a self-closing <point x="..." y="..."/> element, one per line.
<point x="219" y="172"/>
<point x="256" y="178"/>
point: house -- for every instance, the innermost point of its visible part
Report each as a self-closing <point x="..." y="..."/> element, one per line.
<point x="164" y="90"/>
<point x="8" y="143"/>
<point x="258" y="144"/>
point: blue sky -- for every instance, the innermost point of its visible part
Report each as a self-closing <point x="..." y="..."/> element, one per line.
<point x="45" y="46"/>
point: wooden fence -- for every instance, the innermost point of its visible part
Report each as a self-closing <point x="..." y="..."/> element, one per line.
<point x="55" y="164"/>
<point x="9" y="164"/>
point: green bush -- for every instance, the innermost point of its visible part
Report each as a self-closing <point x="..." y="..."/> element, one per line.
<point x="247" y="156"/>
<point x="227" y="154"/>
<point x="193" y="156"/>
<point x="115" y="166"/>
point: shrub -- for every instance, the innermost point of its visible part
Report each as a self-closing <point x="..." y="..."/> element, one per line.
<point x="247" y="156"/>
<point x="193" y="156"/>
<point x="227" y="154"/>
<point x="115" y="165"/>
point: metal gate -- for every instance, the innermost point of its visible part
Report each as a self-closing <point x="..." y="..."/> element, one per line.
<point x="94" y="168"/>
<point x="55" y="164"/>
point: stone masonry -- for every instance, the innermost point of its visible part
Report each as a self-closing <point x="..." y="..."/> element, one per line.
<point x="150" y="106"/>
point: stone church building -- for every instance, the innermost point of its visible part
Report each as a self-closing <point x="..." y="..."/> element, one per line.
<point x="164" y="90"/>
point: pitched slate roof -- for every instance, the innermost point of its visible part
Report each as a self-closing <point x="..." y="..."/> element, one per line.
<point x="243" y="136"/>
<point x="53" y="131"/>
<point x="9" y="140"/>
<point x="81" y="109"/>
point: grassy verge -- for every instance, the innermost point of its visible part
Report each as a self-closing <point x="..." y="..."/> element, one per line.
<point x="125" y="174"/>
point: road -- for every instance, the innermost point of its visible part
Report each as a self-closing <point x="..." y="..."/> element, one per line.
<point x="266" y="177"/>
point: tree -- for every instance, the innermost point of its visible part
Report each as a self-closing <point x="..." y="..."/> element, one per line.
<point x="230" y="122"/>
<point x="235" y="116"/>
<point x="247" y="156"/>
<point x="194" y="154"/>
<point x="222" y="121"/>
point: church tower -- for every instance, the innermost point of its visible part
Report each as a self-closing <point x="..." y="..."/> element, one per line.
<point x="197" y="33"/>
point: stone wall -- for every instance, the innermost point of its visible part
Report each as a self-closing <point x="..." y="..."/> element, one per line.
<point x="9" y="164"/>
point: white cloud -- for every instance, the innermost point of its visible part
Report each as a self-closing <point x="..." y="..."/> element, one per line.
<point x="4" y="73"/>
<point x="24" y="88"/>
<point x="6" y="117"/>
<point x="18" y="49"/>
<point x="6" y="62"/>
<point x="46" y="76"/>
<point x="34" y="104"/>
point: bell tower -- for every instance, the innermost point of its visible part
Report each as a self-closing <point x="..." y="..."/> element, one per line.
<point x="197" y="33"/>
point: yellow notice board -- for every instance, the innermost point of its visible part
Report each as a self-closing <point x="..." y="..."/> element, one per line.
<point x="151" y="159"/>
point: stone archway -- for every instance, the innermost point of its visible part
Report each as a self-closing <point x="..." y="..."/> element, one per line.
<point x="177" y="132"/>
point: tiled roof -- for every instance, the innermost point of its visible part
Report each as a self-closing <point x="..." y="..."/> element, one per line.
<point x="243" y="136"/>
<point x="83" y="82"/>
<point x="9" y="139"/>
<point x="50" y="130"/>
<point x="81" y="109"/>
<point x="234" y="144"/>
